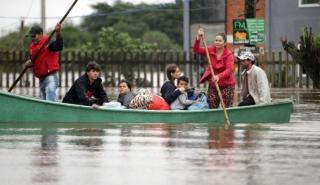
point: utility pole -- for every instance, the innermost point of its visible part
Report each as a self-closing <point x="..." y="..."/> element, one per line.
<point x="21" y="24"/>
<point x="250" y="8"/>
<point x="21" y="32"/>
<point x="21" y="47"/>
<point x="186" y="33"/>
<point x="43" y="15"/>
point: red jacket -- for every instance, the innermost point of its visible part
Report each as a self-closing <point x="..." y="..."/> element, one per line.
<point x="47" y="61"/>
<point x="223" y="67"/>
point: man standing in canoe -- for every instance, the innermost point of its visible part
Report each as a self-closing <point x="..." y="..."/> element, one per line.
<point x="87" y="89"/>
<point x="46" y="66"/>
<point x="255" y="85"/>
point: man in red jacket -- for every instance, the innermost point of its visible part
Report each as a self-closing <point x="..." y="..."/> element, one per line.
<point x="46" y="66"/>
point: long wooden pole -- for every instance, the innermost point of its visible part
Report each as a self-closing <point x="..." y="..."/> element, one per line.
<point x="42" y="46"/>
<point x="226" y="117"/>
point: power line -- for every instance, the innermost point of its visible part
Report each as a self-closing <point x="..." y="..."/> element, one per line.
<point x="139" y="10"/>
<point x="133" y="10"/>
<point x="29" y="9"/>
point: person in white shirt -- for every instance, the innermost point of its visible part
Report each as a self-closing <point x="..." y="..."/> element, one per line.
<point x="255" y="85"/>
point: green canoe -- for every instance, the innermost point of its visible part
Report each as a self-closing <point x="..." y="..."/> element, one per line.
<point x="20" y="109"/>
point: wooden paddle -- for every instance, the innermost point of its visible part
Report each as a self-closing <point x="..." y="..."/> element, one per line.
<point x="226" y="117"/>
<point x="36" y="55"/>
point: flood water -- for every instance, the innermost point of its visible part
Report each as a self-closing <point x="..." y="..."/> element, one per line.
<point x="160" y="154"/>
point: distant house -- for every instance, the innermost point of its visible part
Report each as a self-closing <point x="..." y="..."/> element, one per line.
<point x="282" y="18"/>
<point x="240" y="10"/>
<point x="288" y="18"/>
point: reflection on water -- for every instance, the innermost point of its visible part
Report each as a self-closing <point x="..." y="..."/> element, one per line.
<point x="162" y="154"/>
<point x="91" y="141"/>
<point x="45" y="158"/>
<point x="168" y="154"/>
<point x="220" y="138"/>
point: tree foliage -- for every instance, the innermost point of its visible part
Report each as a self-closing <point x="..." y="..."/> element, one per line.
<point x="74" y="37"/>
<point x="160" y="39"/>
<point x="15" y="40"/>
<point x="307" y="55"/>
<point x="138" y="19"/>
<point x="109" y="39"/>
<point x="132" y="25"/>
<point x="135" y="31"/>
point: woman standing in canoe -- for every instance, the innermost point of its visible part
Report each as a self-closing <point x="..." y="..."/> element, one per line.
<point x="222" y="61"/>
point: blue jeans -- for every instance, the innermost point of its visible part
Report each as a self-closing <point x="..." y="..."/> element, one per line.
<point x="48" y="87"/>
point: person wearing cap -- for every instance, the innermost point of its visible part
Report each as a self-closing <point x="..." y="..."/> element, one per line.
<point x="222" y="61"/>
<point x="46" y="65"/>
<point x="87" y="89"/>
<point x="255" y="85"/>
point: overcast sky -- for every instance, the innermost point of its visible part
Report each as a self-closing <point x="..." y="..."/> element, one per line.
<point x="11" y="11"/>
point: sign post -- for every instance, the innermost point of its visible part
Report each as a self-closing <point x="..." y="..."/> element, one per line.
<point x="240" y="32"/>
<point x="256" y="31"/>
<point x="248" y="31"/>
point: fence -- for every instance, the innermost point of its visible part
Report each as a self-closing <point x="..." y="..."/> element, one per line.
<point x="145" y="69"/>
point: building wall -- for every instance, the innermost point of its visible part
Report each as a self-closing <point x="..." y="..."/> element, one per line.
<point x="286" y="18"/>
<point x="235" y="9"/>
<point x="209" y="15"/>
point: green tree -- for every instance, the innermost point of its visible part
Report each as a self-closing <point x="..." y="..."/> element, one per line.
<point x="111" y="40"/>
<point x="134" y="31"/>
<point x="160" y="39"/>
<point x="15" y="40"/>
<point x="307" y="55"/>
<point x="74" y="37"/>
<point x="138" y="19"/>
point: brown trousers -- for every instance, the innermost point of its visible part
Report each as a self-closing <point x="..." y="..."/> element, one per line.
<point x="227" y="95"/>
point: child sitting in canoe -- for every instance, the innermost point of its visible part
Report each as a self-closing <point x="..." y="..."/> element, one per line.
<point x="185" y="99"/>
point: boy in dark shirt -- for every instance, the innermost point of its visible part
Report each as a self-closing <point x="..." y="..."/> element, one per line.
<point x="87" y="89"/>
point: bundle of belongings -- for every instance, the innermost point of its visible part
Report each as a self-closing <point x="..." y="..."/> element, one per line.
<point x="146" y="100"/>
<point x="201" y="104"/>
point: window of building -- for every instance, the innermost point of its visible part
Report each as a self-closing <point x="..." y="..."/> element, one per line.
<point x="309" y="3"/>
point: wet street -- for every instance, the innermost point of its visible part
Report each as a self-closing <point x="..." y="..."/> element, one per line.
<point x="161" y="154"/>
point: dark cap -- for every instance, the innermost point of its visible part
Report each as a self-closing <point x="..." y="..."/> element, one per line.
<point x="35" y="30"/>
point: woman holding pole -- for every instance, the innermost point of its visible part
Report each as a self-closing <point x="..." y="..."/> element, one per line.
<point x="220" y="72"/>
